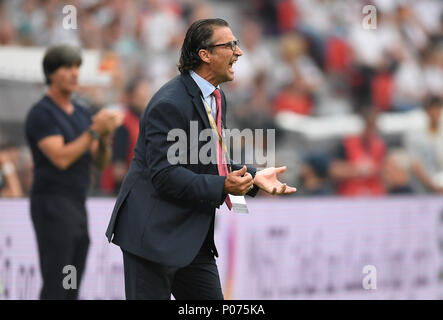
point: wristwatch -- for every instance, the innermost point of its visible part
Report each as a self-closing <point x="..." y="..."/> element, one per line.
<point x="94" y="134"/>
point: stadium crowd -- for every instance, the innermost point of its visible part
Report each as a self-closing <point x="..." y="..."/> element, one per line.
<point x="308" y="57"/>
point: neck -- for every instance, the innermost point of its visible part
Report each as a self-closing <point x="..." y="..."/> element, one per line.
<point x="61" y="98"/>
<point x="206" y="74"/>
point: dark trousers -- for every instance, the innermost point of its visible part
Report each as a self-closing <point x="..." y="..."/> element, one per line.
<point x="60" y="225"/>
<point x="147" y="280"/>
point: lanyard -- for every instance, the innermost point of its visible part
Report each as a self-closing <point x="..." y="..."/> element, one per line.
<point x="220" y="138"/>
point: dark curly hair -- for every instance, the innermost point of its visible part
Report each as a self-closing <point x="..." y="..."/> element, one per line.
<point x="197" y="37"/>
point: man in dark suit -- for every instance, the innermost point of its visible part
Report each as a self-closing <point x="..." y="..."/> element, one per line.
<point x="163" y="218"/>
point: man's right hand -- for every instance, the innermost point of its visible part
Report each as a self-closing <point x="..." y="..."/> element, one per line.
<point x="238" y="182"/>
<point x="105" y="122"/>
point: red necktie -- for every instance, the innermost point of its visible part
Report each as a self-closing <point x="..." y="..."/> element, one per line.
<point x="221" y="165"/>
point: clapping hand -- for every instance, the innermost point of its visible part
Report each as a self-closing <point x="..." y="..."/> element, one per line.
<point x="105" y="122"/>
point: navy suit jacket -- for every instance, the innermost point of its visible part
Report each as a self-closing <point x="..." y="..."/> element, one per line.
<point x="163" y="212"/>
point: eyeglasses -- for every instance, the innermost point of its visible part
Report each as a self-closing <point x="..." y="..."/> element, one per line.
<point x="232" y="44"/>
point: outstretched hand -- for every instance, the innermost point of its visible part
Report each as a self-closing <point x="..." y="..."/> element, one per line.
<point x="266" y="180"/>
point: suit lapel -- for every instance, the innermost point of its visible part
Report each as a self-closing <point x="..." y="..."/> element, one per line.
<point x="198" y="104"/>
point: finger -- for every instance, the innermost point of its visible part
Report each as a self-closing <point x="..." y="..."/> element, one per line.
<point x="240" y="172"/>
<point x="116" y="122"/>
<point x="280" y="169"/>
<point x="274" y="190"/>
<point x="283" y="188"/>
<point x="245" y="185"/>
<point x="119" y="119"/>
<point x="249" y="187"/>
<point x="290" y="190"/>
<point x="247" y="178"/>
<point x="116" y="113"/>
<point x="103" y="113"/>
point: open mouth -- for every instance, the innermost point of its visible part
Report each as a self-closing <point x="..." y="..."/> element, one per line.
<point x="231" y="65"/>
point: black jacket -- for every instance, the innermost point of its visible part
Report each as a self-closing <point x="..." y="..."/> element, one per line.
<point x="163" y="212"/>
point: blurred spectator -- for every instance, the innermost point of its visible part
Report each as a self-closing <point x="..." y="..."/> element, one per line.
<point x="286" y="15"/>
<point x="90" y="34"/>
<point x="267" y="12"/>
<point x="8" y="34"/>
<point x="160" y="25"/>
<point x="409" y="87"/>
<point x="295" y="60"/>
<point x="357" y="167"/>
<point x="25" y="166"/>
<point x="437" y="34"/>
<point x="432" y="65"/>
<point x="314" y="175"/>
<point x="311" y="57"/>
<point x="333" y="98"/>
<point x="256" y="58"/>
<point x="425" y="149"/>
<point x="316" y="20"/>
<point x="382" y="85"/>
<point x="9" y="180"/>
<point x="26" y="21"/>
<point x="294" y="97"/>
<point x="160" y="31"/>
<point x="429" y="15"/>
<point x="412" y="28"/>
<point x="254" y="111"/>
<point x="372" y="49"/>
<point x="194" y="10"/>
<point x="338" y="55"/>
<point x="137" y="97"/>
<point x="397" y="172"/>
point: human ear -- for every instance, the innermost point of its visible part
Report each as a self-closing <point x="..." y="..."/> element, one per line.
<point x="204" y="55"/>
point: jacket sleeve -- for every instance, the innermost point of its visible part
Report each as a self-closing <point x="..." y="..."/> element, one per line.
<point x="250" y="170"/>
<point x="169" y="179"/>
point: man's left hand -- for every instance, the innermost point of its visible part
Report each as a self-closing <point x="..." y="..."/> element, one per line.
<point x="266" y="180"/>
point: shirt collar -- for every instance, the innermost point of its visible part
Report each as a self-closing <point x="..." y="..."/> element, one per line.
<point x="205" y="86"/>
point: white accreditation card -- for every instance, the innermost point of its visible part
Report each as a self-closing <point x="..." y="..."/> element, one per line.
<point x="239" y="204"/>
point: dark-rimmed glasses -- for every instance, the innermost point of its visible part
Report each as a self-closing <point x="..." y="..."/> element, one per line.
<point x="232" y="44"/>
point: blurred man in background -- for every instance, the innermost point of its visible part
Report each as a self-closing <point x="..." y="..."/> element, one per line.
<point x="314" y="175"/>
<point x="397" y="172"/>
<point x="358" y="165"/>
<point x="9" y="181"/>
<point x="425" y="148"/>
<point x="64" y="139"/>
<point x="137" y="96"/>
